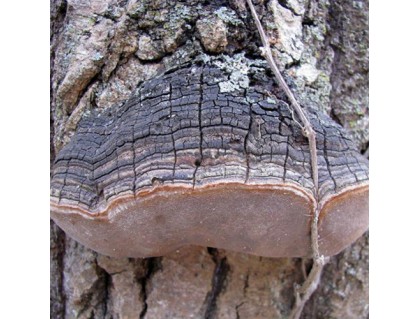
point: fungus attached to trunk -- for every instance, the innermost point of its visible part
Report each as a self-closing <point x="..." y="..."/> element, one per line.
<point x="192" y="159"/>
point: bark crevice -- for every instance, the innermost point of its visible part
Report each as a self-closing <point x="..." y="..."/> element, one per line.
<point x="219" y="280"/>
<point x="152" y="265"/>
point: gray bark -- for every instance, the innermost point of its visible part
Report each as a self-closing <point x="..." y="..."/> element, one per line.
<point x="102" y="50"/>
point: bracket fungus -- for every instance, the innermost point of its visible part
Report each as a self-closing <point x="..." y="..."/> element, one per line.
<point x="184" y="162"/>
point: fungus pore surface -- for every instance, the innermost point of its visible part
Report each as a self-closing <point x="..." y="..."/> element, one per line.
<point x="184" y="162"/>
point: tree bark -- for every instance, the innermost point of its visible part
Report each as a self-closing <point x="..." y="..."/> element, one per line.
<point x="102" y="50"/>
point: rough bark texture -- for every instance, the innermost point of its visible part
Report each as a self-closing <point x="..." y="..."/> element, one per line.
<point x="102" y="50"/>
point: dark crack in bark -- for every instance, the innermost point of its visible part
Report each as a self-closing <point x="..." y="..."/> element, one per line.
<point x="152" y="265"/>
<point x="57" y="292"/>
<point x="219" y="280"/>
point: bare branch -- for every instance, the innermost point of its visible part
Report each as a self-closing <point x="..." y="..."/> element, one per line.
<point x="302" y="294"/>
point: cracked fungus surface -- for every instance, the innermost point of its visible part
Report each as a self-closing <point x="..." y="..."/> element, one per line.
<point x="180" y="129"/>
<point x="182" y="136"/>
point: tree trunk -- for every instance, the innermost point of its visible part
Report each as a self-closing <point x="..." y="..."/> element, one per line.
<point x="102" y="50"/>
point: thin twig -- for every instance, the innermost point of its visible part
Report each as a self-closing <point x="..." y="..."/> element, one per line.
<point x="303" y="293"/>
<point x="310" y="284"/>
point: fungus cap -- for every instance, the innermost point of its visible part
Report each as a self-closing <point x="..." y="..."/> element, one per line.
<point x="185" y="163"/>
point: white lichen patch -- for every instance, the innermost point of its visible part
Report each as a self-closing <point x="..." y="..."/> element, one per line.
<point x="236" y="81"/>
<point x="239" y="66"/>
<point x="97" y="56"/>
<point x="228" y="16"/>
